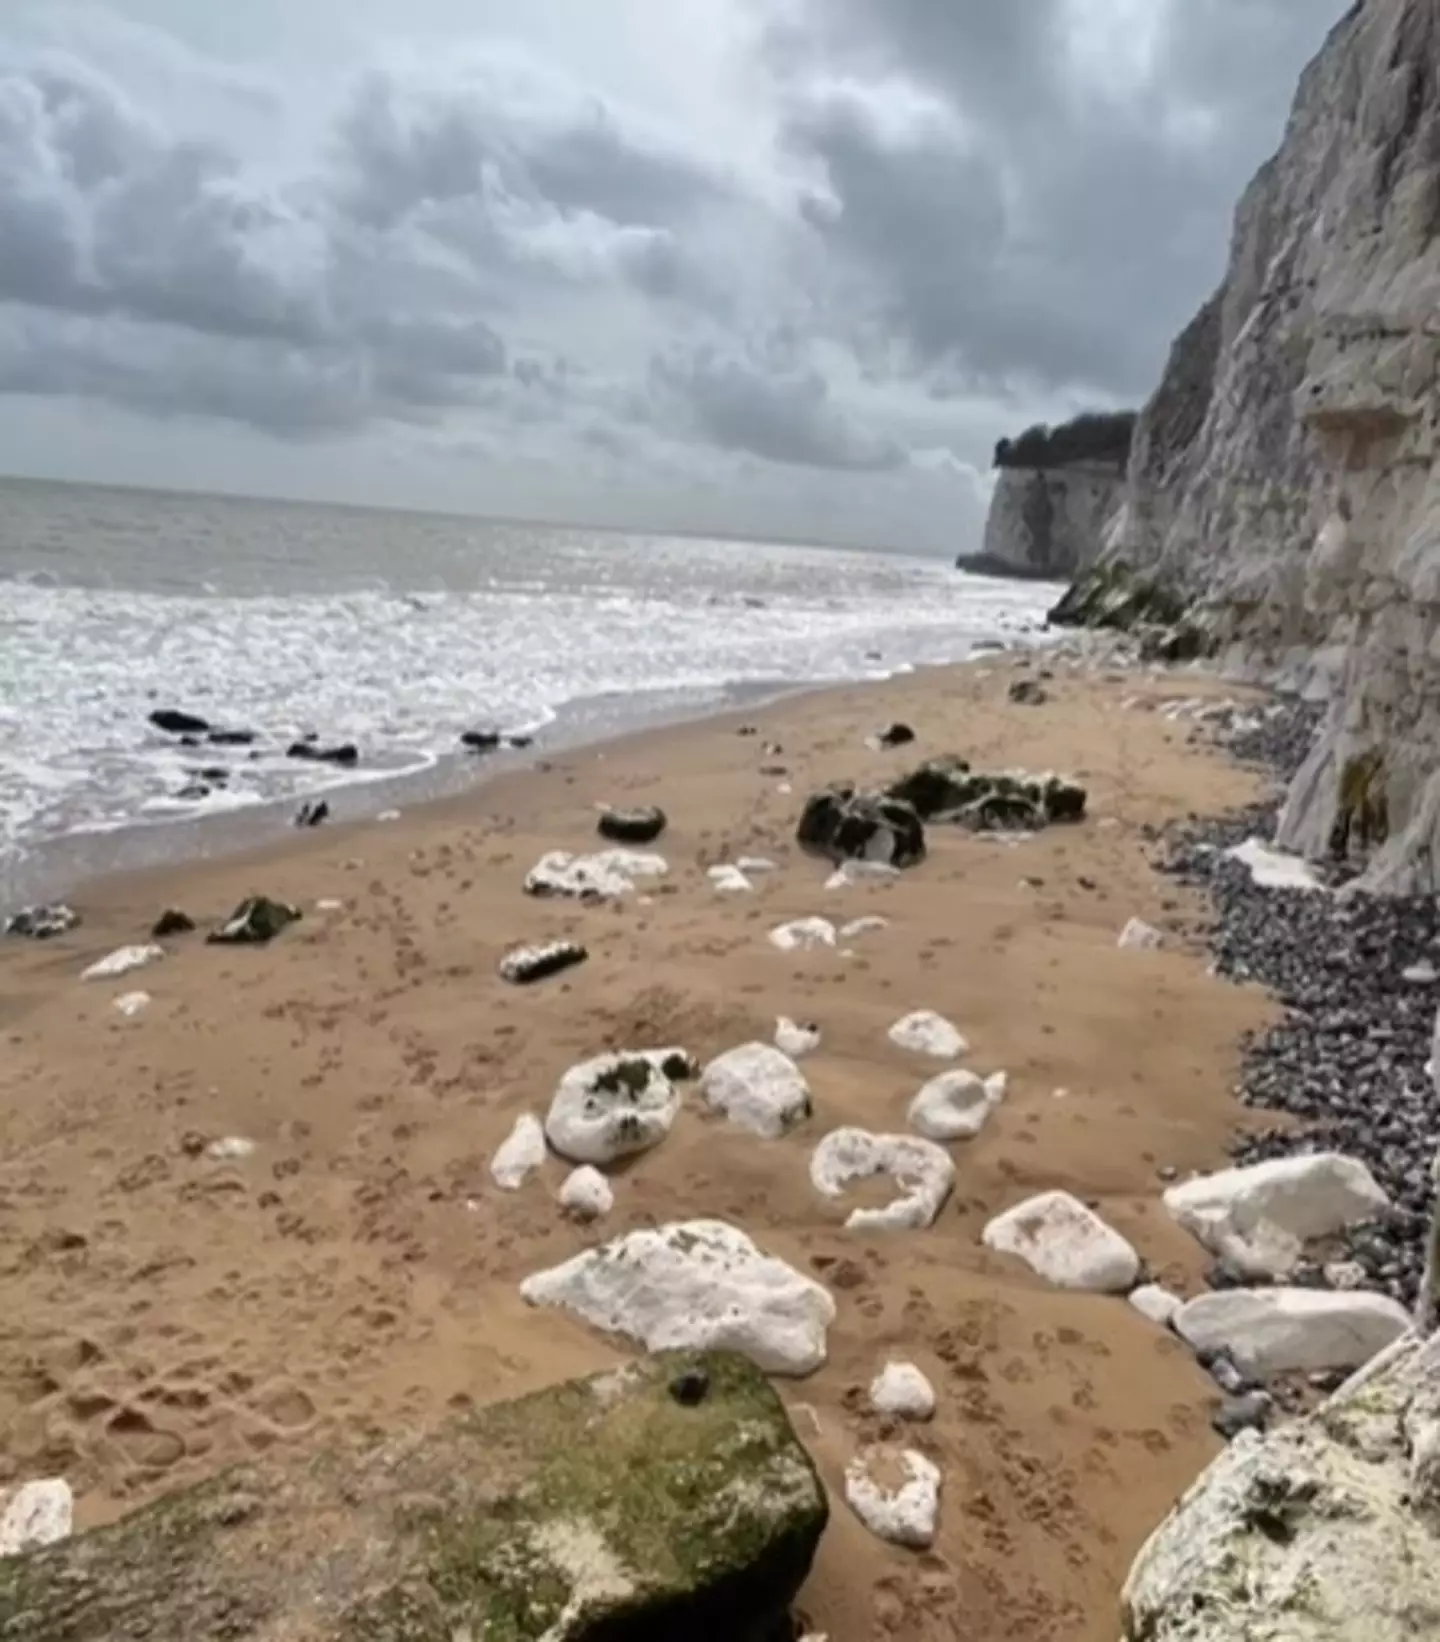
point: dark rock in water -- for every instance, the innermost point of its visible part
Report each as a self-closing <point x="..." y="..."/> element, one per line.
<point x="1248" y="1413"/>
<point x="42" y="923"/>
<point x="844" y="825"/>
<point x="638" y="826"/>
<point x="174" y="722"/>
<point x="481" y="741"/>
<point x="231" y="738"/>
<point x="1026" y="692"/>
<point x="191" y="741"/>
<point x="193" y="792"/>
<point x="311" y="751"/>
<point x="312" y="814"/>
<point x="519" y="742"/>
<point x="606" y="1508"/>
<point x="946" y="789"/>
<point x="172" y="922"/>
<point x="216" y="774"/>
<point x="895" y="735"/>
<point x="536" y="963"/>
<point x="255" y="921"/>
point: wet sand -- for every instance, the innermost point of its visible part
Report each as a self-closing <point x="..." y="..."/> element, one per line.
<point x="166" y="1314"/>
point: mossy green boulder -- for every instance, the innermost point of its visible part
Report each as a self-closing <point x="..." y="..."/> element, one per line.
<point x="668" y="1498"/>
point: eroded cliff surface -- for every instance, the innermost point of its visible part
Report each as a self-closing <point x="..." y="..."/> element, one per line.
<point x="1049" y="522"/>
<point x="1283" y="478"/>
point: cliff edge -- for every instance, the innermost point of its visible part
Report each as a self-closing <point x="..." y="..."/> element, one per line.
<point x="1282" y="482"/>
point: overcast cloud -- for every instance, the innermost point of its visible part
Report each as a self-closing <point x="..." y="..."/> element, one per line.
<point x="782" y="266"/>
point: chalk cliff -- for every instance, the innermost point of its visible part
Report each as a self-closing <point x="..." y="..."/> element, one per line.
<point x="1048" y="522"/>
<point x="1283" y="480"/>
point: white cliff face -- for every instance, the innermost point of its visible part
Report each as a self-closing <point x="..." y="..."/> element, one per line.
<point x="1050" y="522"/>
<point x="1284" y="475"/>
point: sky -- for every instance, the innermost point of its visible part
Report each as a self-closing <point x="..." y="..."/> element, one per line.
<point x="761" y="267"/>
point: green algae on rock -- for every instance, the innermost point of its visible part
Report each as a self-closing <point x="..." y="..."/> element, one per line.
<point x="666" y="1498"/>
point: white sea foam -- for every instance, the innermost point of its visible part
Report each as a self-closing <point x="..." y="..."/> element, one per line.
<point x="588" y="618"/>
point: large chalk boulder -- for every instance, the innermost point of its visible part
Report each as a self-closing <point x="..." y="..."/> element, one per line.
<point x="923" y="1172"/>
<point x="606" y="875"/>
<point x="896" y="1493"/>
<point x="698" y="1284"/>
<point x="1066" y="1244"/>
<point x="1322" y="1530"/>
<point x="1259" y="1218"/>
<point x="1291" y="1331"/>
<point x="615" y="1105"/>
<point x="925" y="1033"/>
<point x="34" y="1515"/>
<point x="665" y="1498"/>
<point x="757" y="1087"/>
<point x="956" y="1105"/>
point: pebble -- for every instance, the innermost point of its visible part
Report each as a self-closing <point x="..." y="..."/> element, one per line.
<point x="900" y="1389"/>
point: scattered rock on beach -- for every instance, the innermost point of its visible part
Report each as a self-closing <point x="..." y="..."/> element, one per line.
<point x="728" y="880"/>
<point x="893" y="735"/>
<point x="695" y="1285"/>
<point x="230" y="1149"/>
<point x="520" y="1154"/>
<point x="926" y="1033"/>
<point x="1156" y="1303"/>
<point x="1259" y="1218"/>
<point x="524" y="965"/>
<point x="130" y="1004"/>
<point x="1291" y="1330"/>
<point x="481" y="741"/>
<point x="1028" y="692"/>
<point x="586" y="1195"/>
<point x="902" y="1391"/>
<point x="850" y="873"/>
<point x="34" y="1515"/>
<point x="122" y="961"/>
<point x="42" y="923"/>
<point x="1138" y="936"/>
<point x="636" y="826"/>
<point x="256" y="921"/>
<point x="1065" y="1243"/>
<point x="955" y="1105"/>
<point x="172" y="922"/>
<point x="175" y="722"/>
<point x="614" y="1106"/>
<point x="796" y="1038"/>
<point x="759" y="1088"/>
<point x="923" y="1171"/>
<point x="605" y="876"/>
<point x="803" y="934"/>
<point x="896" y="1493"/>
<point x="946" y="789"/>
<point x="842" y="824"/>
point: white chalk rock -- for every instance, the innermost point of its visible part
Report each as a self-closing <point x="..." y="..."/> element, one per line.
<point x="926" y="1033"/>
<point x="803" y="935"/>
<point x="1138" y="936"/>
<point x="896" y="1493"/>
<point x="757" y="1087"/>
<point x="730" y="881"/>
<point x="863" y="926"/>
<point x="587" y="1194"/>
<point x="923" y="1172"/>
<point x="901" y="1390"/>
<point x="1274" y="869"/>
<point x="230" y="1149"/>
<point x="122" y="961"/>
<point x="752" y="865"/>
<point x="1156" y="1303"/>
<point x="130" y="1004"/>
<point x="1291" y="1331"/>
<point x="34" y="1515"/>
<point x="795" y="1038"/>
<point x="850" y="873"/>
<point x="1065" y="1243"/>
<point x="698" y="1285"/>
<point x="604" y="876"/>
<point x="955" y="1105"/>
<point x="1260" y="1217"/>
<point x="520" y="1154"/>
<point x="613" y="1106"/>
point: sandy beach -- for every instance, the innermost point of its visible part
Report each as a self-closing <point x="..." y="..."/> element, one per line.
<point x="166" y="1313"/>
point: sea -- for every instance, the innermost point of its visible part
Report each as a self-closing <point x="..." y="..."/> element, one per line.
<point x="395" y="632"/>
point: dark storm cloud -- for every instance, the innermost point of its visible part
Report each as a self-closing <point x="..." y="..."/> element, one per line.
<point x="1051" y="228"/>
<point x="785" y="418"/>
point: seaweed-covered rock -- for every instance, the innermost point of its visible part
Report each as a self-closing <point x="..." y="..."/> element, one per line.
<point x="42" y="923"/>
<point x="844" y="825"/>
<point x="947" y="789"/>
<point x="604" y="1508"/>
<point x="1322" y="1530"/>
<point x="642" y="825"/>
<point x="1112" y="595"/>
<point x="255" y="921"/>
<point x="172" y="922"/>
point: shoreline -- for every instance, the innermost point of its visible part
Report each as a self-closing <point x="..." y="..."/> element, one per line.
<point x="360" y="1270"/>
